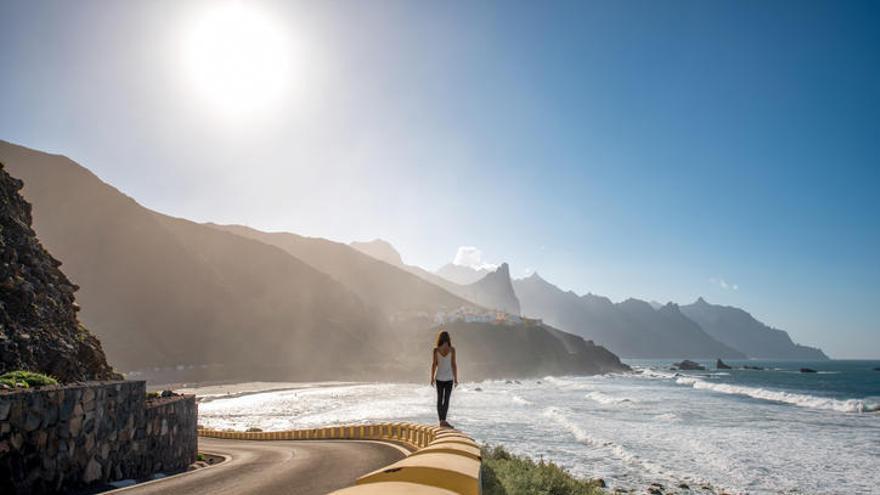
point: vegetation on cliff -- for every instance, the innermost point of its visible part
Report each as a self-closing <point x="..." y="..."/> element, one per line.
<point x="504" y="473"/>
<point x="26" y="379"/>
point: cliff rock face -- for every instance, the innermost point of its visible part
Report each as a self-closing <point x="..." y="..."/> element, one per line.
<point x="39" y="330"/>
<point x="494" y="291"/>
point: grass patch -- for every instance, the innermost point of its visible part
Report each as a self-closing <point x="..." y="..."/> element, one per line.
<point x="26" y="379"/>
<point x="506" y="474"/>
<point x="200" y="457"/>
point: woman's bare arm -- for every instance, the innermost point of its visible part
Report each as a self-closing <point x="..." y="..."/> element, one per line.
<point x="433" y="366"/>
<point x="454" y="367"/>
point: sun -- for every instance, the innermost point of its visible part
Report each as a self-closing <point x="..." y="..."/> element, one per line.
<point x="236" y="58"/>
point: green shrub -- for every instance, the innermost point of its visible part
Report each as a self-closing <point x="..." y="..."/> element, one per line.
<point x="152" y="395"/>
<point x="26" y="379"/>
<point x="506" y="474"/>
<point x="200" y="457"/>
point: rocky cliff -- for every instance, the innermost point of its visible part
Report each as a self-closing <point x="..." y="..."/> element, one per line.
<point x="494" y="291"/>
<point x="39" y="330"/>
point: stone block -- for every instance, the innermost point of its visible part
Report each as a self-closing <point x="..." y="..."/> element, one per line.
<point x="89" y="444"/>
<point x="50" y="416"/>
<point x="67" y="405"/>
<point x="92" y="472"/>
<point x="33" y="421"/>
<point x="16" y="440"/>
<point x="40" y="439"/>
<point x="75" y="425"/>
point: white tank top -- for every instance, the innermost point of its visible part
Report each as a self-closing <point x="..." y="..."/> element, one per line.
<point x="444" y="367"/>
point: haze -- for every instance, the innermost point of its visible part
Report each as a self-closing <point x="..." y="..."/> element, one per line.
<point x="650" y="150"/>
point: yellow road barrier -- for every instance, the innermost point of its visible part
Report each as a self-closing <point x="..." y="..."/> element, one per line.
<point x="393" y="488"/>
<point x="458" y="473"/>
<point x="442" y="461"/>
<point x="451" y="448"/>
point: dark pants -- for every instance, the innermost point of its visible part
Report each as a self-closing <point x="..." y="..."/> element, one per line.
<point x="444" y="390"/>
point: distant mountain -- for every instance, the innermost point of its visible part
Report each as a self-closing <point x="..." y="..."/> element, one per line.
<point x="492" y="290"/>
<point x="631" y="329"/>
<point x="674" y="334"/>
<point x="461" y="275"/>
<point x="388" y="287"/>
<point x="39" y="330"/>
<point x="737" y="328"/>
<point x="165" y="292"/>
<point x="379" y="249"/>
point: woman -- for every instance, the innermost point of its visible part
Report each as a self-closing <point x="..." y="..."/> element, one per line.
<point x="444" y="372"/>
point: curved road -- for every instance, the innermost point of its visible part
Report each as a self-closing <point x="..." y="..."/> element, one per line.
<point x="301" y="467"/>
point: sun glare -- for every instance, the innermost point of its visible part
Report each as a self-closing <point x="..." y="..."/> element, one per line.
<point x="237" y="59"/>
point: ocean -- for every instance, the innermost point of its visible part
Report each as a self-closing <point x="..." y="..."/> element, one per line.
<point x="768" y="431"/>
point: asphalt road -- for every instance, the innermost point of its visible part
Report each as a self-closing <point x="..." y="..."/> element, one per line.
<point x="302" y="467"/>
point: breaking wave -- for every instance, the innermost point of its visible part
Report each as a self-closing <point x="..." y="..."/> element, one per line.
<point x="801" y="400"/>
<point x="607" y="399"/>
<point x="561" y="418"/>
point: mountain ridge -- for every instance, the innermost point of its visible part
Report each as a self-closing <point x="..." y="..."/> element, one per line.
<point x="631" y="328"/>
<point x="492" y="290"/>
<point x="738" y="328"/>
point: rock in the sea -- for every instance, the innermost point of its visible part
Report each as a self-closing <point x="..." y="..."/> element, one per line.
<point x="808" y="370"/>
<point x="747" y="367"/>
<point x="721" y="365"/>
<point x="477" y="389"/>
<point x="876" y="369"/>
<point x="687" y="364"/>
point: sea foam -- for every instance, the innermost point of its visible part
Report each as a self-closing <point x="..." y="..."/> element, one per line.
<point x="607" y="399"/>
<point x="801" y="400"/>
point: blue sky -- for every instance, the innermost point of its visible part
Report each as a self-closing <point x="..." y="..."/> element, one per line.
<point x="644" y="149"/>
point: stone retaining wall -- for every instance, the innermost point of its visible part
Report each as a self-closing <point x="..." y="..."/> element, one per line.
<point x="57" y="438"/>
